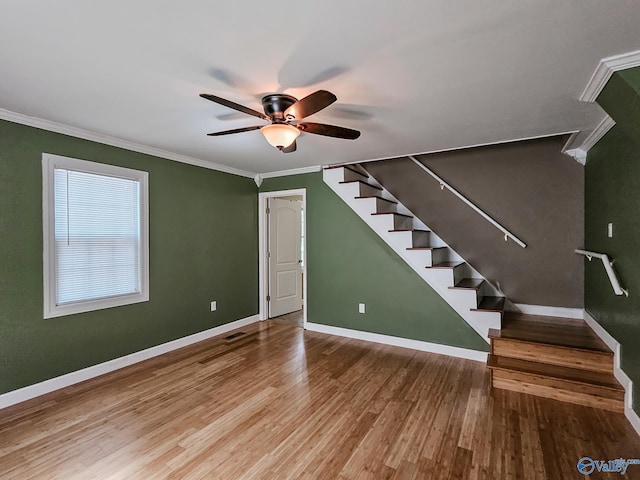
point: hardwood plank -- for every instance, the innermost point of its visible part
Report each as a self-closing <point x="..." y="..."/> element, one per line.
<point x="567" y="332"/>
<point x="281" y="402"/>
<point x="553" y="354"/>
<point x="555" y="389"/>
<point x="574" y="375"/>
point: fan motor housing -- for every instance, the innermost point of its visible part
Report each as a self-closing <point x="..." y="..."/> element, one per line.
<point x="274" y="106"/>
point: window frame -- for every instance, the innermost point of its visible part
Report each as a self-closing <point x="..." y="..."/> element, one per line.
<point x="49" y="163"/>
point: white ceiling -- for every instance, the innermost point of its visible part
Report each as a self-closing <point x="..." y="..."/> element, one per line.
<point x="413" y="76"/>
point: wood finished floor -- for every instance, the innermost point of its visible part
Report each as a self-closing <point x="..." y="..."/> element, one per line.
<point x="282" y="403"/>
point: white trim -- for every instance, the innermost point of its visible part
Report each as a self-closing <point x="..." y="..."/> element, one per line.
<point x="620" y="375"/>
<point x="262" y="249"/>
<point x="604" y="70"/>
<point x="115" y="142"/>
<point x="429" y="152"/>
<point x="48" y="386"/>
<point x="578" y="154"/>
<point x="49" y="163"/>
<point x="258" y="180"/>
<point x="598" y="132"/>
<point x="546" y="311"/>
<point x="293" y="171"/>
<point x="440" y="349"/>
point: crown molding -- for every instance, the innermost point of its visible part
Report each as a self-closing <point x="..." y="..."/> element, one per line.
<point x="579" y="151"/>
<point x="605" y="69"/>
<point x="56" y="127"/>
<point x="578" y="155"/>
<point x="600" y="131"/>
<point x="286" y="173"/>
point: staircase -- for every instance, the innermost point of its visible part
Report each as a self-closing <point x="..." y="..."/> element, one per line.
<point x="558" y="358"/>
<point x="477" y="301"/>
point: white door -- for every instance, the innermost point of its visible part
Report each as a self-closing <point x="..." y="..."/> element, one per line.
<point x="285" y="260"/>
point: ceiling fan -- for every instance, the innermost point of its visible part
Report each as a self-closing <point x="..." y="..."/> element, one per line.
<point x="284" y="113"/>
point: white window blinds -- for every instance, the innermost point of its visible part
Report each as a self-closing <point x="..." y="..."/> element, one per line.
<point x="96" y="236"/>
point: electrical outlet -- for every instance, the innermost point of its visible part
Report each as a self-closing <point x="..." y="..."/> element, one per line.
<point x="214" y="306"/>
<point x="361" y="308"/>
<point x="610" y="230"/>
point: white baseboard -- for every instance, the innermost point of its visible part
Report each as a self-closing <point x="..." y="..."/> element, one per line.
<point x="41" y="388"/>
<point x="400" y="342"/>
<point x="550" y="311"/>
<point x="620" y="375"/>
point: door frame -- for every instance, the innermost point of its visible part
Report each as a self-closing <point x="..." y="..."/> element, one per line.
<point x="263" y="235"/>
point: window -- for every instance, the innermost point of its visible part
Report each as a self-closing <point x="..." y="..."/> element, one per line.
<point x="96" y="236"/>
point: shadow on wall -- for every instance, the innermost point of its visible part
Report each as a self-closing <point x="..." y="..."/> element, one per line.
<point x="529" y="187"/>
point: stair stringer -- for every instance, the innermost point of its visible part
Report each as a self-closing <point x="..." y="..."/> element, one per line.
<point x="439" y="279"/>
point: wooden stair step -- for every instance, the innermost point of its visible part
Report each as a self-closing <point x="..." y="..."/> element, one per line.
<point x="426" y="248"/>
<point x="393" y="213"/>
<point x="574" y="375"/>
<point x="361" y="182"/>
<point x="553" y="354"/>
<point x="490" y="304"/>
<point x="446" y="265"/>
<point x="566" y="332"/>
<point x="558" y="383"/>
<point x="378" y="197"/>
<point x="408" y="230"/>
<point x="468" y="284"/>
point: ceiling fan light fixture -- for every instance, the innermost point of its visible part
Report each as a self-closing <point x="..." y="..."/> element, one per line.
<point x="280" y="135"/>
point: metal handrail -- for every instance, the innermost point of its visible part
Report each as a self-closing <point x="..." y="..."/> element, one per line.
<point x="507" y="234"/>
<point x="609" y="269"/>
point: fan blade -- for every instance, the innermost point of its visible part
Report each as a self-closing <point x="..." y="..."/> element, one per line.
<point x="310" y="104"/>
<point x="235" y="130"/>
<point x="291" y="148"/>
<point x="235" y="106"/>
<point x="329" y="130"/>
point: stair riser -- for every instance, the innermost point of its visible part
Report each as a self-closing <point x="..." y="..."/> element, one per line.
<point x="349" y="175"/>
<point x="382" y="206"/>
<point x="375" y="205"/>
<point x="553" y="355"/>
<point x="567" y="392"/>
<point x="420" y="239"/>
<point x="365" y="190"/>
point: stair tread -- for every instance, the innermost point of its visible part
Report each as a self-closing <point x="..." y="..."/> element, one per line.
<point x="409" y="230"/>
<point x="490" y="304"/>
<point x="446" y="265"/>
<point x="576" y="375"/>
<point x="393" y="213"/>
<point x="469" y="284"/>
<point x="378" y="197"/>
<point x="556" y="331"/>
<point x="362" y="182"/>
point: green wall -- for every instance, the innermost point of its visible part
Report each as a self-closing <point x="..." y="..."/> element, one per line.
<point x="203" y="247"/>
<point x="612" y="194"/>
<point x="347" y="264"/>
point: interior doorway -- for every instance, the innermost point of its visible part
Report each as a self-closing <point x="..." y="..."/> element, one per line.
<point x="283" y="282"/>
